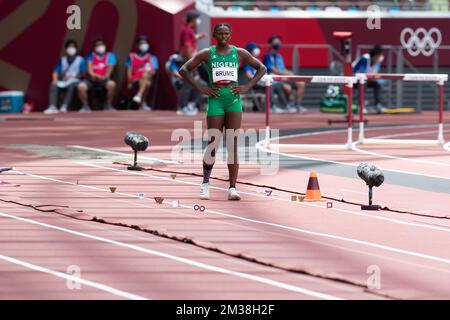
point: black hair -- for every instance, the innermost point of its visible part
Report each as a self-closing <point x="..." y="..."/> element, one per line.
<point x="69" y="43"/>
<point x="376" y="50"/>
<point x="273" y="38"/>
<point x="191" y="15"/>
<point x="220" y="25"/>
<point x="142" y="38"/>
<point x="98" y="40"/>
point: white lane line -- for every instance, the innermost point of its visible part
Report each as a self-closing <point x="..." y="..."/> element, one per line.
<point x="241" y="226"/>
<point x="80" y="280"/>
<point x="382" y="155"/>
<point x="263" y="268"/>
<point x="365" y="215"/>
<point x="407" y="134"/>
<point x="387" y="156"/>
<point x="194" y="263"/>
<point x="259" y="146"/>
<point x="325" y="235"/>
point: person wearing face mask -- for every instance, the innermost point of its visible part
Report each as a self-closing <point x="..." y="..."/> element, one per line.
<point x="141" y="67"/>
<point x="277" y="96"/>
<point x="273" y="60"/>
<point x="100" y="65"/>
<point x="66" y="76"/>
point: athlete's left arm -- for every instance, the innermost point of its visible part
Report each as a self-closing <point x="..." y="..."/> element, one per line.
<point x="261" y="70"/>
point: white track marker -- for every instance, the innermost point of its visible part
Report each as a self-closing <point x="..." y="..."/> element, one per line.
<point x="381" y="155"/>
<point x="260" y="147"/>
<point x="447" y="146"/>
<point x="386" y="156"/>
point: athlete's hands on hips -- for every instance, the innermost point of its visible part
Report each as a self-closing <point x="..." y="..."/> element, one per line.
<point x="210" y="92"/>
<point x="237" y="90"/>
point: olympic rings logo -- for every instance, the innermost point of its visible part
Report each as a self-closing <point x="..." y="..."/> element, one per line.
<point x="199" y="208"/>
<point x="421" y="41"/>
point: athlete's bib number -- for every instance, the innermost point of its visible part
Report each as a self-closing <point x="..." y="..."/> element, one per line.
<point x="224" y="75"/>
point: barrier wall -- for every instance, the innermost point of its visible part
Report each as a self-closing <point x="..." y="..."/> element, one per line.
<point x="319" y="31"/>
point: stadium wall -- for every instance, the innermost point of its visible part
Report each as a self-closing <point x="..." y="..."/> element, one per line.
<point x="319" y="30"/>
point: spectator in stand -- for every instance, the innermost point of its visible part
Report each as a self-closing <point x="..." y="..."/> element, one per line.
<point x="371" y="63"/>
<point x="278" y="98"/>
<point x="100" y="66"/>
<point x="141" y="68"/>
<point x="274" y="63"/>
<point x="66" y="76"/>
<point x="189" y="99"/>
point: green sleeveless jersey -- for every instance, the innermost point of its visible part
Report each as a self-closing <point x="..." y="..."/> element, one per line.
<point x="223" y="68"/>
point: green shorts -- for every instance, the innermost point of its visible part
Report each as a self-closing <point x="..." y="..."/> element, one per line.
<point x="227" y="102"/>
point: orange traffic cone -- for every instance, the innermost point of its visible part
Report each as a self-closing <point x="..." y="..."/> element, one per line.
<point x="313" y="190"/>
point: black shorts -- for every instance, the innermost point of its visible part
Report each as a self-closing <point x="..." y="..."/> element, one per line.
<point x="95" y="85"/>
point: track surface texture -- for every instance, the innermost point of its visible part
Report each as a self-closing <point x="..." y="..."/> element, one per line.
<point x="64" y="233"/>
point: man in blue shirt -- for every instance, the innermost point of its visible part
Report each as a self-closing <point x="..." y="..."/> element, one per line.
<point x="371" y="63"/>
<point x="278" y="100"/>
<point x="66" y="76"/>
<point x="274" y="63"/>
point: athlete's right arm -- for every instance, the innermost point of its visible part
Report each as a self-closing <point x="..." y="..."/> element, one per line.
<point x="191" y="64"/>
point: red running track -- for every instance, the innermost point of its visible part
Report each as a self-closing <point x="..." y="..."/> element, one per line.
<point x="264" y="247"/>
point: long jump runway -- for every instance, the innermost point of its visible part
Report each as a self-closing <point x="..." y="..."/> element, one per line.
<point x="66" y="235"/>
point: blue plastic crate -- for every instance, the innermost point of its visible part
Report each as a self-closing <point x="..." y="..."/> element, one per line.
<point x="11" y="101"/>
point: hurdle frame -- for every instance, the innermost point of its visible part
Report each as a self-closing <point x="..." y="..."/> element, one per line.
<point x="440" y="79"/>
<point x="345" y="80"/>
